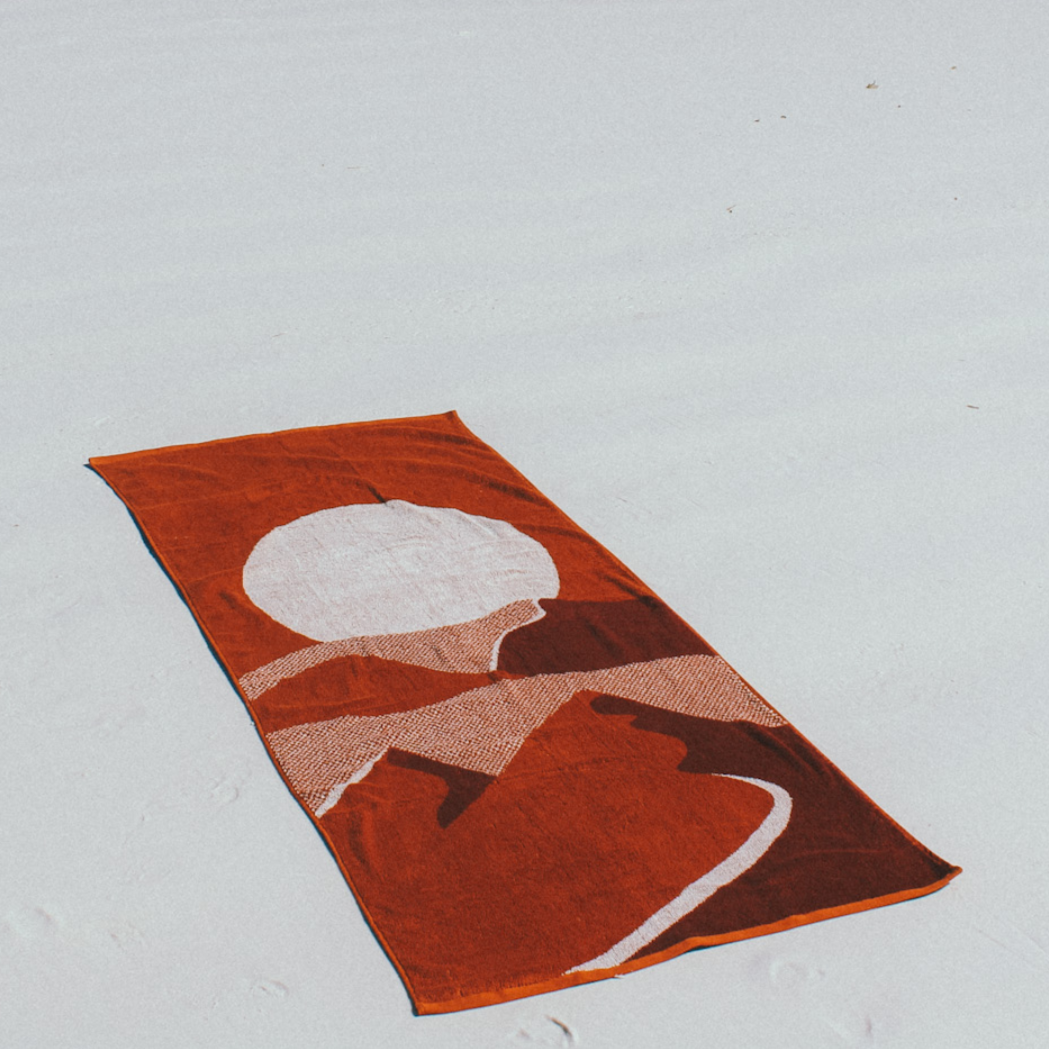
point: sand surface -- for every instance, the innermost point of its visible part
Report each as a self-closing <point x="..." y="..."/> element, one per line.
<point x="757" y="293"/>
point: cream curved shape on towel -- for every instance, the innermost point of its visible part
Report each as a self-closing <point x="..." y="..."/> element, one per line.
<point x="726" y="872"/>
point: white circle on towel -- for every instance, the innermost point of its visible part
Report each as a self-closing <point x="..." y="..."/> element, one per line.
<point x="392" y="568"/>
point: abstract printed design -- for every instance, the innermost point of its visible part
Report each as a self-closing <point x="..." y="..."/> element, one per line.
<point x="532" y="773"/>
<point x="396" y="565"/>
<point x="482" y="729"/>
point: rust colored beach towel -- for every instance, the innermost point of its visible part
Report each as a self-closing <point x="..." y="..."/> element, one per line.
<point x="532" y="773"/>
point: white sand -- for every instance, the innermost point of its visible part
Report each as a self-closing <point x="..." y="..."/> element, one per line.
<point x="777" y="338"/>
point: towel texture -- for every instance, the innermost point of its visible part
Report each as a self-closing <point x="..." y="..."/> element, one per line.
<point x="530" y="770"/>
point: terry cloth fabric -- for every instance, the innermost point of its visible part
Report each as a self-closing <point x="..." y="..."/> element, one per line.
<point x="532" y="773"/>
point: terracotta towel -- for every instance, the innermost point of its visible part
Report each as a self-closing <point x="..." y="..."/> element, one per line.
<point x="532" y="773"/>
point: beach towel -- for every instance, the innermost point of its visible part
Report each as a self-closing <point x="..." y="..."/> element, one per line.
<point x="531" y="771"/>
